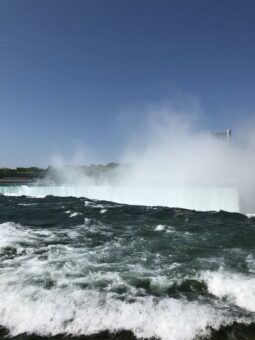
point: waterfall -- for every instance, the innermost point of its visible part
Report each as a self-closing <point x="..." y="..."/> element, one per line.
<point x="197" y="198"/>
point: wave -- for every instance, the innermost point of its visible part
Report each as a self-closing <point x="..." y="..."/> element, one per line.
<point x="52" y="284"/>
<point x="237" y="288"/>
<point x="85" y="312"/>
<point x="235" y="331"/>
<point x="86" y="269"/>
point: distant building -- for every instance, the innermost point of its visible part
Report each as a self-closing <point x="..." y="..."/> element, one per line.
<point x="223" y="135"/>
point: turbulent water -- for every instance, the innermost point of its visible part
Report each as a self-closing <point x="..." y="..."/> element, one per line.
<point x="74" y="267"/>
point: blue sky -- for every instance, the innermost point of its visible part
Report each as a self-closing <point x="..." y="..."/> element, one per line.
<point x="82" y="72"/>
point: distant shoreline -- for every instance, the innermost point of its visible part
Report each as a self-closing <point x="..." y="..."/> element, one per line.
<point x="30" y="175"/>
<point x="15" y="181"/>
<point x="21" y="176"/>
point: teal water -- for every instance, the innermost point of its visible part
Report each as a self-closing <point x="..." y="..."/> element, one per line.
<point x="75" y="267"/>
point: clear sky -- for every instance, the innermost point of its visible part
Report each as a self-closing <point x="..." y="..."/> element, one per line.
<point x="80" y="72"/>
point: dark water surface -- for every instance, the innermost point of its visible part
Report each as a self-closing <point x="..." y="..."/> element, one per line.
<point x="83" y="269"/>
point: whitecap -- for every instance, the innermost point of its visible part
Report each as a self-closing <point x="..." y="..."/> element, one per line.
<point x="238" y="288"/>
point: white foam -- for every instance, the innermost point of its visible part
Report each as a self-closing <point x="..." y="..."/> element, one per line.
<point x="11" y="234"/>
<point x="250" y="263"/>
<point x="197" y="198"/>
<point x="238" y="288"/>
<point x="250" y="215"/>
<point x="27" y="204"/>
<point x="165" y="228"/>
<point x="27" y="306"/>
<point x="79" y="312"/>
<point x="74" y="214"/>
<point x="160" y="227"/>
